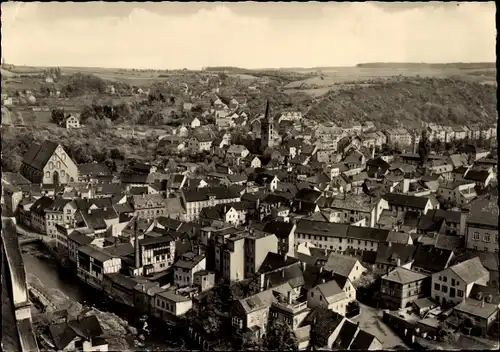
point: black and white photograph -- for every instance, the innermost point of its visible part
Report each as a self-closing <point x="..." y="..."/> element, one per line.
<point x="249" y="176"/>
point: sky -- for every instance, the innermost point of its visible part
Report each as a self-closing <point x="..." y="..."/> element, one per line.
<point x="247" y="34"/>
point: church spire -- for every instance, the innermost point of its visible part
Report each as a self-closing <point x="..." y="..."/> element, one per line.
<point x="267" y="116"/>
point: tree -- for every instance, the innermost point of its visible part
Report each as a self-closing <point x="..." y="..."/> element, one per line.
<point x="57" y="116"/>
<point x="280" y="337"/>
<point x="250" y="342"/>
<point x="424" y="148"/>
<point x="116" y="154"/>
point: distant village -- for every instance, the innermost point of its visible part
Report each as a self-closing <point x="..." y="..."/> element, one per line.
<point x="312" y="222"/>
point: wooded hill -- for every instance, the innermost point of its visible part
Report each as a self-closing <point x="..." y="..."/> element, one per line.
<point x="410" y="100"/>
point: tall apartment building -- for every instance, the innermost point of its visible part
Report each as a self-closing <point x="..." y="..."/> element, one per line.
<point x="257" y="245"/>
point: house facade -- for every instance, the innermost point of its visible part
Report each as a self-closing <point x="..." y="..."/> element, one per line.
<point x="454" y="284"/>
<point x="401" y="287"/>
<point x="48" y="163"/>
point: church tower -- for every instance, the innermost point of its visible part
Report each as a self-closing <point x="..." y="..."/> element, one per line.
<point x="267" y="132"/>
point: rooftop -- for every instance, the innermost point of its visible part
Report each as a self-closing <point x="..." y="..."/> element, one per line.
<point x="404" y="276"/>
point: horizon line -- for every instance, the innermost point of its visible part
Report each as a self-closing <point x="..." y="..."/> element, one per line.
<point x="262" y="68"/>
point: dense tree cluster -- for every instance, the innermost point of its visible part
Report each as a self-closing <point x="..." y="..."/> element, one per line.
<point x="80" y="83"/>
<point x="84" y="146"/>
<point x="410" y="100"/>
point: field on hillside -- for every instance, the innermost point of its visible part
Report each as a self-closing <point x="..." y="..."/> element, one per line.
<point x="330" y="78"/>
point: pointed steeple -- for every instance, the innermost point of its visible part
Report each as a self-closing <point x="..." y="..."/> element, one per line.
<point x="267" y="116"/>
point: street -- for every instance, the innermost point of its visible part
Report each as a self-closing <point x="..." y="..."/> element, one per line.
<point x="370" y="319"/>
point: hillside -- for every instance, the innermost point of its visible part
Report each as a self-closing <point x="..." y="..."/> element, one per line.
<point x="409" y="101"/>
<point x="455" y="65"/>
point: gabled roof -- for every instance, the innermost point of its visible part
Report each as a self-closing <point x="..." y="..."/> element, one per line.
<point x="203" y="194"/>
<point x="406" y="200"/>
<point x="322" y="228"/>
<point x="367" y="233"/>
<point x="331" y="291"/>
<point x="477" y="308"/>
<point x="38" y="155"/>
<point x="14" y="178"/>
<point x="308" y="195"/>
<point x="470" y="270"/>
<point x="477" y="175"/>
<point x="484" y="211"/>
<point x="93" y="169"/>
<point x="58" y="204"/>
<point x="340" y="264"/>
<point x="431" y="258"/>
<point x="291" y="274"/>
<point x="280" y="228"/>
<point x="41" y="204"/>
<point x="390" y="253"/>
<point x="362" y="341"/>
<point x="324" y="322"/>
<point x="346" y="335"/>
<point x="87" y="328"/>
<point x="275" y="261"/>
<point x="169" y="223"/>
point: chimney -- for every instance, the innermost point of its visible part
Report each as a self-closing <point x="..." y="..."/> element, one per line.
<point x="321" y="269"/>
<point x="482" y="303"/>
<point x="322" y="281"/>
<point x="289" y="297"/>
<point x="398" y="262"/>
<point x="136" y="245"/>
<point x="199" y="250"/>
<point x="389" y="244"/>
<point x="463" y="222"/>
<point x="304" y="266"/>
<point x="283" y="273"/>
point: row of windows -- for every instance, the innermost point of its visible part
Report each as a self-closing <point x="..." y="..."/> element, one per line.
<point x="58" y="163"/>
<point x="485" y="249"/>
<point x="327" y="238"/>
<point x="63" y="174"/>
<point x="444" y="289"/>
<point x="168" y="306"/>
<point x="486" y="237"/>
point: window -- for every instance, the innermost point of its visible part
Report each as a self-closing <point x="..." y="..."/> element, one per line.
<point x="460" y="293"/>
<point x="475" y="236"/>
<point x="445" y="278"/>
<point x="475" y="248"/>
<point x="437" y="287"/>
<point x="486" y="237"/>
<point x="47" y="174"/>
<point x="452" y="282"/>
<point x="58" y="164"/>
<point x="444" y="289"/>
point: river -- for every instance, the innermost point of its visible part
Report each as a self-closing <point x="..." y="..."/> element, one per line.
<point x="37" y="262"/>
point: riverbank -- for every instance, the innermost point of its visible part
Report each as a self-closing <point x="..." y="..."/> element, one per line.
<point x="121" y="325"/>
<point x="43" y="276"/>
